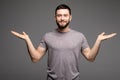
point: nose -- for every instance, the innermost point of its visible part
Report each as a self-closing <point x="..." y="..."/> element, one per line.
<point x="62" y="17"/>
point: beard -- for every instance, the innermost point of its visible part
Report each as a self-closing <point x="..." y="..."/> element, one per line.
<point x="61" y="27"/>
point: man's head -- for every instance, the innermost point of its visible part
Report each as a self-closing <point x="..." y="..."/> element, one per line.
<point x="63" y="16"/>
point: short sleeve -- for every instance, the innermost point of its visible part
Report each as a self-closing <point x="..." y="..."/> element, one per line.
<point x="43" y="43"/>
<point x="84" y="43"/>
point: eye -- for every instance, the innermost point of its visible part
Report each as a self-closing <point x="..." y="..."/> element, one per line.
<point x="65" y="15"/>
<point x="58" y="15"/>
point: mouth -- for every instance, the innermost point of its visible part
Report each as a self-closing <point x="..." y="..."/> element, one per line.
<point x="63" y="22"/>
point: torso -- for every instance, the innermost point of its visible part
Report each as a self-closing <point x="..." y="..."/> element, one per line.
<point x="63" y="54"/>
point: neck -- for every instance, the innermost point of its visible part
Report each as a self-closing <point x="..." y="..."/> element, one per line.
<point x="67" y="29"/>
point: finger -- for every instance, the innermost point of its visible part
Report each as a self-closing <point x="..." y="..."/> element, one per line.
<point x="102" y="33"/>
<point x="24" y="33"/>
<point x="111" y="35"/>
<point x="12" y="31"/>
<point x="114" y="34"/>
<point x="17" y="34"/>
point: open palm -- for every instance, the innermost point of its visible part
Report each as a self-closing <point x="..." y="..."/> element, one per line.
<point x="103" y="36"/>
<point x="22" y="36"/>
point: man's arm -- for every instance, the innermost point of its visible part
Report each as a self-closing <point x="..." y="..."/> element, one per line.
<point x="91" y="54"/>
<point x="35" y="54"/>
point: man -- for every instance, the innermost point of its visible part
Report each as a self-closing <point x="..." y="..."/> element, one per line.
<point x="64" y="46"/>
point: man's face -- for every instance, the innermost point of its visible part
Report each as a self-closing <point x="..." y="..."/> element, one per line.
<point x="63" y="18"/>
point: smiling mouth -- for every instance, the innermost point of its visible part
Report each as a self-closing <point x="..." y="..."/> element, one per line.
<point x="62" y="22"/>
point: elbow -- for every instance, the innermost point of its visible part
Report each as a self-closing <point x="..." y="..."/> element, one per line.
<point x="91" y="59"/>
<point x="35" y="60"/>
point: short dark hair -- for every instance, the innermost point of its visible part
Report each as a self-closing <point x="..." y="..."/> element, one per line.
<point x="63" y="6"/>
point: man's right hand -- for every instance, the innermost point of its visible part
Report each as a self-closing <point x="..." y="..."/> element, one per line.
<point x="22" y="36"/>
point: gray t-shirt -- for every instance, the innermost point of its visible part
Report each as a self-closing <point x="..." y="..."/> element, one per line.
<point x="63" y="53"/>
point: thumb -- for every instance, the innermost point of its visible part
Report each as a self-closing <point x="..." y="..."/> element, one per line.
<point x="102" y="33"/>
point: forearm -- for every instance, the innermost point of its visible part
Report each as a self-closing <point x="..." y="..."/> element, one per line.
<point x="91" y="54"/>
<point x="95" y="49"/>
<point x="34" y="54"/>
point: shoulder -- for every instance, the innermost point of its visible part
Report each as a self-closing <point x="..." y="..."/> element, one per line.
<point x="78" y="35"/>
<point x="48" y="34"/>
<point x="77" y="32"/>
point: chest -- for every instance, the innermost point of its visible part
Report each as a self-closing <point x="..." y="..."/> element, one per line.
<point x="63" y="42"/>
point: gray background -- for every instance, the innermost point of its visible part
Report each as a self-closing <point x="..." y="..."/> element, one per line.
<point x="36" y="17"/>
